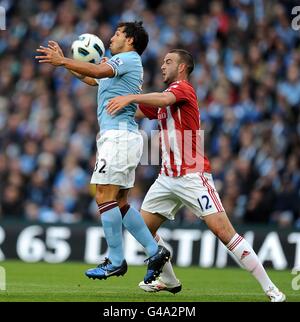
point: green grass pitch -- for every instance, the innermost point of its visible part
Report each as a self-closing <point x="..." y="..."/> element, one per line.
<point x="66" y="282"/>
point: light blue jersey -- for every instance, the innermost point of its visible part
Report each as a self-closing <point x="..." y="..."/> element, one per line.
<point x="128" y="79"/>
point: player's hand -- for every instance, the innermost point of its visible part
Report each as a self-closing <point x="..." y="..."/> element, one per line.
<point x="104" y="60"/>
<point x="50" y="56"/>
<point x="55" y="46"/>
<point x="117" y="103"/>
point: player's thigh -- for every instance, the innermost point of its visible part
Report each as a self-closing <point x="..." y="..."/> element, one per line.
<point x="161" y="200"/>
<point x="197" y="192"/>
<point x="153" y="220"/>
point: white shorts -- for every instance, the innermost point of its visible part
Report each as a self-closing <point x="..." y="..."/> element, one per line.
<point x="194" y="190"/>
<point x="118" y="154"/>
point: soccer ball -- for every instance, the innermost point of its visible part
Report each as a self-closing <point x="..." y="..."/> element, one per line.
<point x="88" y="48"/>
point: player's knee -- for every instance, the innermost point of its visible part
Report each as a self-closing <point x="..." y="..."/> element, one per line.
<point x="99" y="197"/>
<point x="105" y="194"/>
<point x="225" y="233"/>
<point x="153" y="221"/>
<point x="220" y="225"/>
<point x="153" y="230"/>
<point x="122" y="198"/>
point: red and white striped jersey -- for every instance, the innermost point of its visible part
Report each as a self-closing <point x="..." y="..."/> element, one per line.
<point x="181" y="141"/>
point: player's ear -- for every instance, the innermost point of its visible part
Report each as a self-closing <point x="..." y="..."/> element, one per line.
<point x="130" y="41"/>
<point x="181" y="67"/>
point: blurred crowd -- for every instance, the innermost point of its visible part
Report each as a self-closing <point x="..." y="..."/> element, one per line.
<point x="247" y="79"/>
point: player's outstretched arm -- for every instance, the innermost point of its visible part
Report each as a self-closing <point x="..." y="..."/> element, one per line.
<point x="53" y="57"/>
<point x="85" y="79"/>
<point x="88" y="80"/>
<point x="153" y="99"/>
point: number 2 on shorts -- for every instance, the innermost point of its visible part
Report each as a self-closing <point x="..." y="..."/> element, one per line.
<point x="101" y="170"/>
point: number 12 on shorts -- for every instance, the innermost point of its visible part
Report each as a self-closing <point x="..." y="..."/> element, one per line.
<point x="101" y="170"/>
<point x="204" y="203"/>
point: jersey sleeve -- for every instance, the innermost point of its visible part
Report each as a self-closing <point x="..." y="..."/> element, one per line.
<point x="120" y="63"/>
<point x="150" y="112"/>
<point x="180" y="90"/>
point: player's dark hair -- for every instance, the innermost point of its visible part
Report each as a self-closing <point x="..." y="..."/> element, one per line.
<point x="136" y="31"/>
<point x="186" y="58"/>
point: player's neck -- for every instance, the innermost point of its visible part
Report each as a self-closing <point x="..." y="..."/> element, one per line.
<point x="182" y="77"/>
<point x="126" y="49"/>
<point x="179" y="78"/>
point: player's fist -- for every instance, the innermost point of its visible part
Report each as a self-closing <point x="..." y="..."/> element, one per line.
<point x="104" y="60"/>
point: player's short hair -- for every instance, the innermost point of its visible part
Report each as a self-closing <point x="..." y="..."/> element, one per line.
<point x="186" y="58"/>
<point x="136" y="31"/>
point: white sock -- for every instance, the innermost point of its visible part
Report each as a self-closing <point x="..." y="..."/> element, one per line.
<point x="167" y="276"/>
<point x="246" y="256"/>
